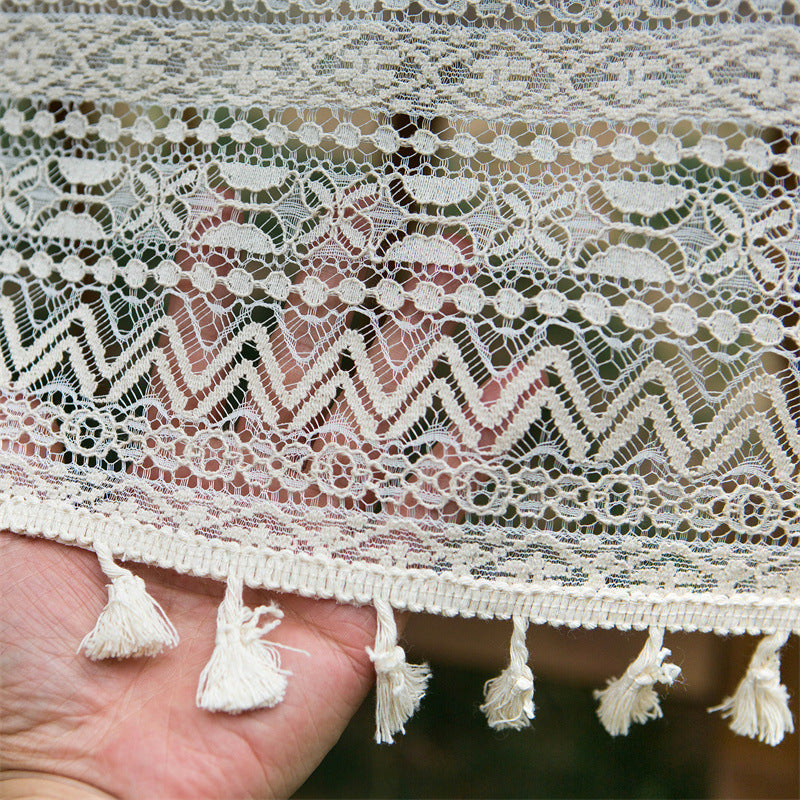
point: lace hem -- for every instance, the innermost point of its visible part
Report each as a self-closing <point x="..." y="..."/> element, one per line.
<point x="405" y="589"/>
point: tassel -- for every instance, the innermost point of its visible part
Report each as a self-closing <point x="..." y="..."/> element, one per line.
<point x="631" y="698"/>
<point x="132" y="623"/>
<point x="244" y="671"/>
<point x="760" y="705"/>
<point x="400" y="686"/>
<point x="509" y="697"/>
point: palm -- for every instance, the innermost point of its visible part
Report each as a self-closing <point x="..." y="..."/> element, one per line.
<point x="131" y="727"/>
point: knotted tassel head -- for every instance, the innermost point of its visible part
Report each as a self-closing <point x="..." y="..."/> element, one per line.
<point x="244" y="671"/>
<point x="132" y="623"/>
<point x="400" y="686"/>
<point x="632" y="698"/>
<point x="509" y="697"/>
<point x="759" y="708"/>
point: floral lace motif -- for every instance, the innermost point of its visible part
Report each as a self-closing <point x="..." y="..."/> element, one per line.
<point x="747" y="71"/>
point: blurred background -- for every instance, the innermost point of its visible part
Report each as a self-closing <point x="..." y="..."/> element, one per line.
<point x="449" y="751"/>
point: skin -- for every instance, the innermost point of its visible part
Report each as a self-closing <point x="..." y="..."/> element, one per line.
<point x="131" y="728"/>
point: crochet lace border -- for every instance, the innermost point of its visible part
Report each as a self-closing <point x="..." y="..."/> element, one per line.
<point x="413" y="590"/>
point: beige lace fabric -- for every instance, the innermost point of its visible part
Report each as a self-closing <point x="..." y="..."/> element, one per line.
<point x="469" y="308"/>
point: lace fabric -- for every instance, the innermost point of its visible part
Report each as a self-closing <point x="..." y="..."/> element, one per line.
<point x="468" y="308"/>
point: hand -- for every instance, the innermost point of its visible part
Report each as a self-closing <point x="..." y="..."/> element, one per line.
<point x="131" y="728"/>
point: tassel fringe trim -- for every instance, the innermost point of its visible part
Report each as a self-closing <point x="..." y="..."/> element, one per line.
<point x="132" y="623"/>
<point x="400" y="686"/>
<point x="632" y="698"/>
<point x="759" y="708"/>
<point x="244" y="672"/>
<point x="509" y="697"/>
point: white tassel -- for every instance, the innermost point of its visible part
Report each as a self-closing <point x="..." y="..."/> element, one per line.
<point x="244" y="671"/>
<point x="632" y="698"/>
<point x="400" y="686"/>
<point x="760" y="705"/>
<point x="509" y="697"/>
<point x="132" y="623"/>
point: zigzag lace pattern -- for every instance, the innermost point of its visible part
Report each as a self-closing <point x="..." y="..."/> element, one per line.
<point x="468" y="301"/>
